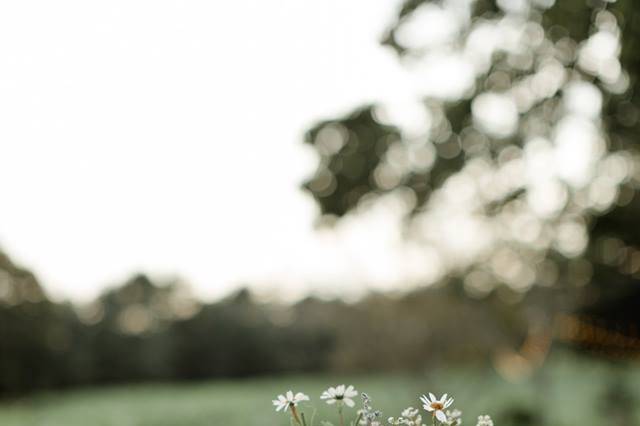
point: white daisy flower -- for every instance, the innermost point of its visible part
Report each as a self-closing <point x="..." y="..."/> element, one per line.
<point x="436" y="406"/>
<point x="340" y="394"/>
<point x="289" y="400"/>
<point x="484" y="421"/>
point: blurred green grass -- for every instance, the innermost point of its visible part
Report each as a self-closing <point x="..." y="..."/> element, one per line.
<point x="567" y="391"/>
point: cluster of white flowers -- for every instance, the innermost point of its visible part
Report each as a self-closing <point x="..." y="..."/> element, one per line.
<point x="342" y="396"/>
<point x="484" y="421"/>
<point x="454" y="417"/>
<point x="368" y="416"/>
<point x="409" y="417"/>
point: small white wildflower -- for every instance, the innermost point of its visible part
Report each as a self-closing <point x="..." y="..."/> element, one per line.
<point x="410" y="412"/>
<point x="411" y="417"/>
<point x="436" y="406"/>
<point x="484" y="421"/>
<point x="454" y="417"/>
<point x="401" y="421"/>
<point x="369" y="416"/>
<point x="366" y="421"/>
<point x="340" y="394"/>
<point x="289" y="400"/>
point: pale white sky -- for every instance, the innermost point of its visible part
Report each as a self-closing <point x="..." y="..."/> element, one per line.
<point x="134" y="135"/>
<point x="165" y="137"/>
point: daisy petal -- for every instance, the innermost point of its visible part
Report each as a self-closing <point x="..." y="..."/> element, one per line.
<point x="350" y="392"/>
<point x="441" y="416"/>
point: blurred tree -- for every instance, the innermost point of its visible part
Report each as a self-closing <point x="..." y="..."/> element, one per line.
<point x="32" y="332"/>
<point x="144" y="331"/>
<point x="351" y="149"/>
<point x="238" y="337"/>
<point x="131" y="340"/>
<point x="536" y="150"/>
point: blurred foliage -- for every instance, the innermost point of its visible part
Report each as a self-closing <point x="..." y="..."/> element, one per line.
<point x="351" y="148"/>
<point x="145" y="331"/>
<point x="142" y="331"/>
<point x="600" y="279"/>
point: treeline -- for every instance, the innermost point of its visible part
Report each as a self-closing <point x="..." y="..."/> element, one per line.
<point x="144" y="331"/>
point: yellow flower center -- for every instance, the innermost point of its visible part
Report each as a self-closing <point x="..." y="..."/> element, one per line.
<point x="437" y="405"/>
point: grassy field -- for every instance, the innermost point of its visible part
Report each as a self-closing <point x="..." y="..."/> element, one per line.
<point x="568" y="391"/>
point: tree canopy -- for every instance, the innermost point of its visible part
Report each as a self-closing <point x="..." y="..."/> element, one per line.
<point x="532" y="155"/>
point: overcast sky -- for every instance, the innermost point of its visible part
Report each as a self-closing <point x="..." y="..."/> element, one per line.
<point x="165" y="137"/>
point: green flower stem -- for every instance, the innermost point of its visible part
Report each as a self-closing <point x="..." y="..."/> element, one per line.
<point x="313" y="416"/>
<point x="340" y="414"/>
<point x="357" y="422"/>
<point x="294" y="414"/>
